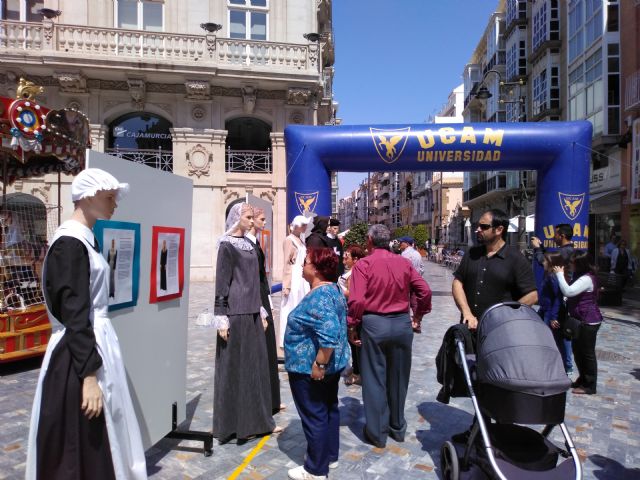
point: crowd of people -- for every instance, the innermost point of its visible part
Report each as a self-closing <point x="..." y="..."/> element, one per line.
<point x="357" y="306"/>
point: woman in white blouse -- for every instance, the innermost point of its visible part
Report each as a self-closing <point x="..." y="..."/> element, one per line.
<point x="582" y="303"/>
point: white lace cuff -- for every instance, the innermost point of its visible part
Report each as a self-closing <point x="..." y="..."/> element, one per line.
<point x="221" y="322"/>
<point x="204" y="319"/>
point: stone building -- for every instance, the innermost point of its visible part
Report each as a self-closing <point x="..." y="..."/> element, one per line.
<point x="203" y="89"/>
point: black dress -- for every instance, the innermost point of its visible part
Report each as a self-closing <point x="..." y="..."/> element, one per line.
<point x="270" y="332"/>
<point x="242" y="390"/>
<point x="69" y="446"/>
<point x="163" y="269"/>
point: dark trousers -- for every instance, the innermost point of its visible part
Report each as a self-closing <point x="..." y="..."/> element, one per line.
<point x="385" y="364"/>
<point x="355" y="355"/>
<point x="317" y="405"/>
<point x="584" y="356"/>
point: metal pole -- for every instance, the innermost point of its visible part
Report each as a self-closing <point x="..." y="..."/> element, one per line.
<point x="59" y="200"/>
<point x="368" y="193"/>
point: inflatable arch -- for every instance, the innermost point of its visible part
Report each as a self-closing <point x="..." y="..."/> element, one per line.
<point x="559" y="151"/>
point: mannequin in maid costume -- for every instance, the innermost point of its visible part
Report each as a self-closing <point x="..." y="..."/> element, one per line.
<point x="83" y="424"/>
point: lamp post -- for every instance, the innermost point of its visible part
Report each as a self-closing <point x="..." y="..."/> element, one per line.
<point x="483" y="92"/>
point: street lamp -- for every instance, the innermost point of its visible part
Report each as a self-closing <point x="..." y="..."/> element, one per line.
<point x="483" y="92"/>
<point x="49" y="13"/>
<point x="210" y="27"/>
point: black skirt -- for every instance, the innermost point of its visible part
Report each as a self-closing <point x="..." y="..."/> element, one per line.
<point x="242" y="404"/>
<point x="69" y="446"/>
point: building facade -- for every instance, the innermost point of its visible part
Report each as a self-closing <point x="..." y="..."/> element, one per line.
<point x="203" y="89"/>
<point x="630" y="123"/>
<point x="562" y="62"/>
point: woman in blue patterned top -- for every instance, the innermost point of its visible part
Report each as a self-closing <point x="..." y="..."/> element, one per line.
<point x="316" y="351"/>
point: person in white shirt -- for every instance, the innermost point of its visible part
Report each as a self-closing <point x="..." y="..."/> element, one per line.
<point x="411" y="254"/>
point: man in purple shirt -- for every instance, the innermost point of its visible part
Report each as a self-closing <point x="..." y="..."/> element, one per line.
<point x="381" y="284"/>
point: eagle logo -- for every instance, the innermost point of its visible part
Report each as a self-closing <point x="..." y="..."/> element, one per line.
<point x="306" y="202"/>
<point x="571" y="204"/>
<point x="389" y="143"/>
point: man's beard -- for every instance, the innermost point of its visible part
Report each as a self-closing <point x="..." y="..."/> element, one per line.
<point x="479" y="239"/>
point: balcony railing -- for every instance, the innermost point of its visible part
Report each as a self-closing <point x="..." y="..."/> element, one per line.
<point x="248" y="161"/>
<point x="76" y="41"/>
<point x="632" y="91"/>
<point x="159" y="159"/>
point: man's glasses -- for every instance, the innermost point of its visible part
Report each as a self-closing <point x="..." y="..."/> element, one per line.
<point x="484" y="226"/>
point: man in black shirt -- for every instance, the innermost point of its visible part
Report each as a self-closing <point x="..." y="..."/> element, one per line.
<point x="492" y="272"/>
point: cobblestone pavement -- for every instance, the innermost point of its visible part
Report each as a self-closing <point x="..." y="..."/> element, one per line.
<point x="605" y="427"/>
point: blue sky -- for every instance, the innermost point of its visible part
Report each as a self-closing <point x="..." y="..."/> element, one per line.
<point x="397" y="60"/>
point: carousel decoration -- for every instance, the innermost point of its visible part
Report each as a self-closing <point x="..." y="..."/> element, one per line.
<point x="35" y="141"/>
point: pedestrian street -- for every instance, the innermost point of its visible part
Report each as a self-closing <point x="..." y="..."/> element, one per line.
<point x="605" y="427"/>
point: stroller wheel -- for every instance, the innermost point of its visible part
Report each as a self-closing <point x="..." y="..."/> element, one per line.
<point x="449" y="462"/>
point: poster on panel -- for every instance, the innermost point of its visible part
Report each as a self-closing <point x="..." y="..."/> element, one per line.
<point x="120" y="245"/>
<point x="167" y="266"/>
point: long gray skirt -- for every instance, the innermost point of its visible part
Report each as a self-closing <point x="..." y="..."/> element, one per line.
<point x="242" y="390"/>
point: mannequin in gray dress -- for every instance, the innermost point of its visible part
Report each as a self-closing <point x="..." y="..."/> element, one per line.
<point x="242" y="391"/>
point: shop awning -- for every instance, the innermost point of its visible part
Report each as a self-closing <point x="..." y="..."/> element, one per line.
<point x="594" y="197"/>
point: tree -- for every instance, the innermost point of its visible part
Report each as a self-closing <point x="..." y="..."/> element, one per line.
<point x="421" y="235"/>
<point x="357" y="235"/>
<point x="404" y="231"/>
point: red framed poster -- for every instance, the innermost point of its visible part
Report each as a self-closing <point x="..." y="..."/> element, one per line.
<point x="167" y="264"/>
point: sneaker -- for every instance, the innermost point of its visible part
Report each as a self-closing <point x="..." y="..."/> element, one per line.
<point x="299" y="473"/>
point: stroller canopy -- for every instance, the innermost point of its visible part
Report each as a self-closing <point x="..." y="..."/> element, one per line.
<point x="516" y="351"/>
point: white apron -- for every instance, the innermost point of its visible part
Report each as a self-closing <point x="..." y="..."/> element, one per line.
<point x="125" y="441"/>
<point x="299" y="288"/>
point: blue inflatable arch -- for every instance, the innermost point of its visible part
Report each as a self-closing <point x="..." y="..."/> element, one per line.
<point x="559" y="151"/>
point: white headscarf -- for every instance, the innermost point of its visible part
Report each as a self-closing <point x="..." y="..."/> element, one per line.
<point x="231" y="225"/>
<point x="92" y="180"/>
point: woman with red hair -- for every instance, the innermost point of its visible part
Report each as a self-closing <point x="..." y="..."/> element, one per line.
<point x="316" y="351"/>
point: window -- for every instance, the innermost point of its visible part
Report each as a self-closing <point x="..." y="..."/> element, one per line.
<point x="576" y="32"/>
<point x="585" y="92"/>
<point x="21" y="10"/>
<point x="248" y="19"/>
<point x="140" y="15"/>
<point x="540" y="26"/>
<point x="540" y="93"/>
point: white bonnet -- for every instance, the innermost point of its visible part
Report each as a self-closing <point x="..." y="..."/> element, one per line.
<point x="92" y="180"/>
<point x="300" y="220"/>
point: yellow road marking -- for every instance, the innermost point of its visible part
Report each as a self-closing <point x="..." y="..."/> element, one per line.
<point x="247" y="460"/>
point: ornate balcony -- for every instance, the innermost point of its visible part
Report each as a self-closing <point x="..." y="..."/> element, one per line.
<point x="113" y="44"/>
<point x="248" y="161"/>
<point x="158" y="159"/>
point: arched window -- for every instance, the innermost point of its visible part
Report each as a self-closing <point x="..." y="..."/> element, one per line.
<point x="142" y="137"/>
<point x="248" y="145"/>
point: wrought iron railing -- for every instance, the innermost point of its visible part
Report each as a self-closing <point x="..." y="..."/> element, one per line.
<point x="248" y="161"/>
<point x="159" y="159"/>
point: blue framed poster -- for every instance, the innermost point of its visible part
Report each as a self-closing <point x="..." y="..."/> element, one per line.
<point x="120" y="246"/>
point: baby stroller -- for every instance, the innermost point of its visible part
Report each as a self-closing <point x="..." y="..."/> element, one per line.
<point x="516" y="379"/>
